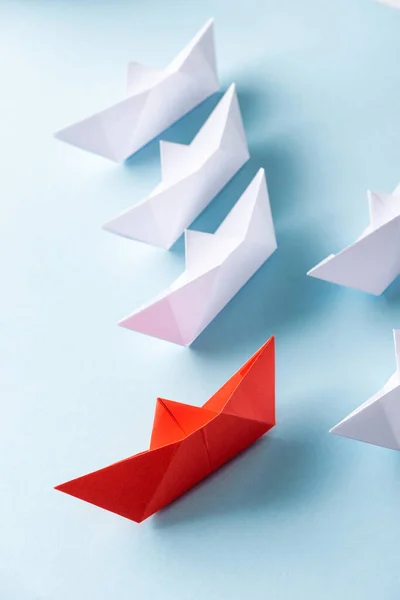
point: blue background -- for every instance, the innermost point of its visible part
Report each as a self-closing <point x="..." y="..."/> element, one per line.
<point x="301" y="514"/>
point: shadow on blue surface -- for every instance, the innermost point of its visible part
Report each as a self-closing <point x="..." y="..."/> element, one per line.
<point x="271" y="475"/>
<point x="183" y="131"/>
<point x="280" y="293"/>
<point x="391" y="297"/>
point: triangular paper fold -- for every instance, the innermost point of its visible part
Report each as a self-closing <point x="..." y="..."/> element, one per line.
<point x="156" y="99"/>
<point x="166" y="428"/>
<point x="188" y="417"/>
<point x="372" y="262"/>
<point x="187" y="444"/>
<point x="377" y="421"/>
<point x="217" y="266"/>
<point x="191" y="177"/>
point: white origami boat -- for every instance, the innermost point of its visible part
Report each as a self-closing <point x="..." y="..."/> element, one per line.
<point x="372" y="262"/>
<point x="217" y="266"/>
<point x="192" y="175"/>
<point x="377" y="421"/>
<point x="156" y="98"/>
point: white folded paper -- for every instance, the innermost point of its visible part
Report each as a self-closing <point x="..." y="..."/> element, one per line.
<point x="156" y="99"/>
<point x="191" y="177"/>
<point x="377" y="421"/>
<point x="217" y="266"/>
<point x="372" y="262"/>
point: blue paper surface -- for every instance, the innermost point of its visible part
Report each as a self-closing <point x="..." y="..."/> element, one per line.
<point x="301" y="514"/>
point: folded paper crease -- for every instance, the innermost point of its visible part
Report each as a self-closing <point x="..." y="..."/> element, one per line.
<point x="156" y="98"/>
<point x="377" y="421"/>
<point x="372" y="262"/>
<point x="187" y="443"/>
<point x="217" y="266"/>
<point x="192" y="175"/>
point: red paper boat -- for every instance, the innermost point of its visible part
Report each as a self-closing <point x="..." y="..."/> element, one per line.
<point x="187" y="443"/>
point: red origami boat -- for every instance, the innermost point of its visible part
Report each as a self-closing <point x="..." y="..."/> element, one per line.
<point x="187" y="443"/>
